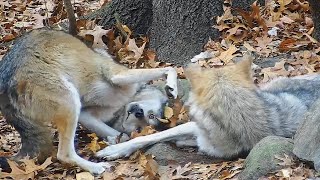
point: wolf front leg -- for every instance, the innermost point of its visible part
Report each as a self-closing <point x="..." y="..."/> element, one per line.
<point x="97" y="126"/>
<point x="127" y="148"/>
<point x="132" y="76"/>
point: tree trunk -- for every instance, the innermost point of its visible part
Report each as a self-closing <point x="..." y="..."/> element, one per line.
<point x="315" y="12"/>
<point x="136" y="14"/>
<point x="178" y="29"/>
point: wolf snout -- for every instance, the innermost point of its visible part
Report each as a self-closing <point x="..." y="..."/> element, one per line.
<point x="136" y="110"/>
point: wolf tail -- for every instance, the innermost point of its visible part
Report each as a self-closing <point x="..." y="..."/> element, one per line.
<point x="36" y="139"/>
<point x="4" y="165"/>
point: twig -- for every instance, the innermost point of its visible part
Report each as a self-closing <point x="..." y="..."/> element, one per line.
<point x="71" y="17"/>
<point x="119" y="25"/>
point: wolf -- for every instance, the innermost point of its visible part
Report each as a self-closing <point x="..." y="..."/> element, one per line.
<point x="230" y="114"/>
<point x="50" y="78"/>
<point x="144" y="109"/>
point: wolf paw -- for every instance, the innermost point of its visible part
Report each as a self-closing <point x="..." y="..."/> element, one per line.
<point x="171" y="86"/>
<point x="116" y="151"/>
<point x="98" y="168"/>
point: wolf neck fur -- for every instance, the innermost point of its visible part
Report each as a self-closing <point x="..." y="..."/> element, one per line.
<point x="236" y="109"/>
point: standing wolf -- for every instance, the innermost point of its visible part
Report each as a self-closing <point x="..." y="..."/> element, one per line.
<point x="51" y="76"/>
<point x="230" y="114"/>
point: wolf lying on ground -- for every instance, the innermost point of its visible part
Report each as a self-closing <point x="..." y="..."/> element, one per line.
<point x="230" y="114"/>
<point x="52" y="77"/>
<point x="144" y="109"/>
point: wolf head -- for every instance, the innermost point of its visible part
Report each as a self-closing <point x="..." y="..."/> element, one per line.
<point x="205" y="80"/>
<point x="145" y="109"/>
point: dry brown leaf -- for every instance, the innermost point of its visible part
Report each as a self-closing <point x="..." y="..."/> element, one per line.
<point x="8" y="37"/>
<point x="30" y="169"/>
<point x="95" y="36"/>
<point x="94" y="145"/>
<point x="285" y="173"/>
<point x="233" y="30"/>
<point x="30" y="165"/>
<point x="177" y="106"/>
<point x="181" y="172"/>
<point x="180" y="72"/>
<point x="253" y="17"/>
<point x="183" y="115"/>
<point x="311" y="38"/>
<point x="286" y="160"/>
<point x="264" y="41"/>
<point x="287" y="45"/>
<point x="249" y="47"/>
<point x="138" y="51"/>
<point x="84" y="176"/>
<point x="226" y="16"/>
<point x="150" y="165"/>
<point x="168" y="112"/>
<point x="286" y="19"/>
<point x="228" y="55"/>
<point x="16" y="172"/>
<point x="273" y="72"/>
<point x="145" y="131"/>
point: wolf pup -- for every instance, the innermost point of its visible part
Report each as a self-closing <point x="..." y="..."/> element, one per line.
<point x="230" y="114"/>
<point x="51" y="76"/>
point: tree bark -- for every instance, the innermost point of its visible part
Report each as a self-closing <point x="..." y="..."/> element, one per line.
<point x="136" y="14"/>
<point x="315" y="12"/>
<point x="178" y="29"/>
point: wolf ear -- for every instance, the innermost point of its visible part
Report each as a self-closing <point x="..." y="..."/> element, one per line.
<point x="245" y="63"/>
<point x="193" y="72"/>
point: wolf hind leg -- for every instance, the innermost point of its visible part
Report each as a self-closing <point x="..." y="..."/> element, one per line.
<point x="58" y="102"/>
<point x="66" y="120"/>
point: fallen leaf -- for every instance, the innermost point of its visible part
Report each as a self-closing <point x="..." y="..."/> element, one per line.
<point x="264" y="41"/>
<point x="145" y="131"/>
<point x="228" y="55"/>
<point x="287" y="45"/>
<point x="286" y="160"/>
<point x="30" y="169"/>
<point x="132" y="46"/>
<point x="84" y="176"/>
<point x="95" y="36"/>
<point x="249" y="47"/>
<point x="94" y="145"/>
<point x="181" y="172"/>
<point x="168" y="112"/>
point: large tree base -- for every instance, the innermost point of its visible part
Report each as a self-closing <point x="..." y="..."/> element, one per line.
<point x="178" y="29"/>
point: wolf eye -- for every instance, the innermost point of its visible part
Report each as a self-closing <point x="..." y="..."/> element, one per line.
<point x="151" y="116"/>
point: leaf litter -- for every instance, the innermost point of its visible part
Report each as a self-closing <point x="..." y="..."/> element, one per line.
<point x="279" y="27"/>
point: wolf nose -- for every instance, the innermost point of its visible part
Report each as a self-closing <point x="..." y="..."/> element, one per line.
<point x="139" y="113"/>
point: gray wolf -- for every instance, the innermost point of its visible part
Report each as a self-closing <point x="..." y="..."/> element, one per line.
<point x="230" y="114"/>
<point x="144" y="109"/>
<point x="50" y="78"/>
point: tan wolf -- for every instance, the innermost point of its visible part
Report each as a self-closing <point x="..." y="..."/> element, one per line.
<point x="52" y="77"/>
<point x="230" y="114"/>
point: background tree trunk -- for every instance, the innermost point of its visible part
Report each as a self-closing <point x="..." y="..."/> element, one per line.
<point x="178" y="29"/>
<point x="136" y="14"/>
<point x="315" y="11"/>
